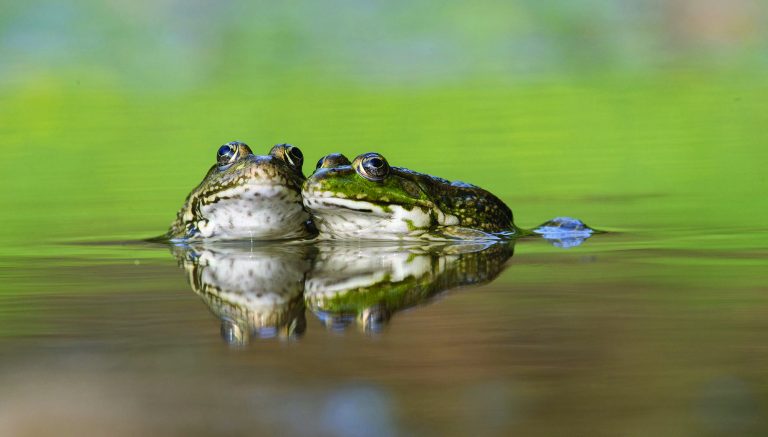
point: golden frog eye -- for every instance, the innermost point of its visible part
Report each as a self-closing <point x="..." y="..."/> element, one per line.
<point x="291" y="155"/>
<point x="332" y="161"/>
<point x="229" y="153"/>
<point x="294" y="156"/>
<point x="372" y="166"/>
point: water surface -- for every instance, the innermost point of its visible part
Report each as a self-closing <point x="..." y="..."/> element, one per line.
<point x="623" y="333"/>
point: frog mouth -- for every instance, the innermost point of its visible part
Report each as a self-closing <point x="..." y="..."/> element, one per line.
<point x="261" y="189"/>
<point x="268" y="187"/>
<point x="342" y="204"/>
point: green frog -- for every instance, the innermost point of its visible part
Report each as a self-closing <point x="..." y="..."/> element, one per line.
<point x="369" y="199"/>
<point x="246" y="196"/>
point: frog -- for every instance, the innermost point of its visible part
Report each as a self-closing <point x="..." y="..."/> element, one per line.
<point x="246" y="196"/>
<point x="369" y="199"/>
<point x="366" y="198"/>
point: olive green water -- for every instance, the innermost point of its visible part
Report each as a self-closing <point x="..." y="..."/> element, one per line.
<point x="655" y="328"/>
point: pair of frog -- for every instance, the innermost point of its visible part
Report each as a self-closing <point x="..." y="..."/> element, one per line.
<point x="267" y="197"/>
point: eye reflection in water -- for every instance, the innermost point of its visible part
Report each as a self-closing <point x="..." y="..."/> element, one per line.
<point x="262" y="290"/>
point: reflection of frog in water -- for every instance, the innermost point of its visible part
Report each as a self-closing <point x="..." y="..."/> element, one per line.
<point x="368" y="199"/>
<point x="369" y="284"/>
<point x="245" y="196"/>
<point x="262" y="291"/>
<point x="255" y="291"/>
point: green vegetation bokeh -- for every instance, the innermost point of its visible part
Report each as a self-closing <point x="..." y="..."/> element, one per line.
<point x="639" y="116"/>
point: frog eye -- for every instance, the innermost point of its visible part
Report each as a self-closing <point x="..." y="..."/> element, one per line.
<point x="231" y="152"/>
<point x="372" y="166"/>
<point x="332" y="161"/>
<point x="289" y="154"/>
<point x="294" y="156"/>
<point x="226" y="154"/>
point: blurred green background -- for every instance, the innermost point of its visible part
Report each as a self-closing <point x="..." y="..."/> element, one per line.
<point x="637" y="115"/>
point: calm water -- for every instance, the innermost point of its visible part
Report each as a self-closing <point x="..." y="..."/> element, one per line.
<point x="628" y="334"/>
<point x="645" y="121"/>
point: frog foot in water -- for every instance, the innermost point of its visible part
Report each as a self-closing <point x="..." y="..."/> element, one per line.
<point x="368" y="199"/>
<point x="246" y="196"/>
<point x="564" y="232"/>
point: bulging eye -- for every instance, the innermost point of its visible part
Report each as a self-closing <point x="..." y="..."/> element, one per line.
<point x="226" y="154"/>
<point x="294" y="156"/>
<point x="289" y="154"/>
<point x="332" y="161"/>
<point x="372" y="166"/>
<point x="231" y="152"/>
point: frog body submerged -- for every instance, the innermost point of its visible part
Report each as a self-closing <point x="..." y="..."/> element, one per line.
<point x="371" y="200"/>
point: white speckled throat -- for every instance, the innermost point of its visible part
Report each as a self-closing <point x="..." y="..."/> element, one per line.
<point x="254" y="211"/>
